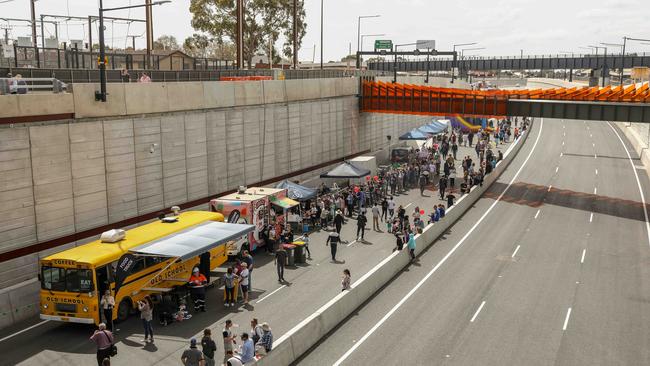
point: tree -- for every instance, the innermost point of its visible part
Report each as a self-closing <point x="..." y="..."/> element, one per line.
<point x="349" y="58"/>
<point x="264" y="21"/>
<point x="197" y="45"/>
<point x="166" y="42"/>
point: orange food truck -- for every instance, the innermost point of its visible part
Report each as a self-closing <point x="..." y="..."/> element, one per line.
<point x="258" y="206"/>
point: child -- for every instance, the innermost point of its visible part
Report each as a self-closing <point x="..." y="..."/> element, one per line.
<point x="305" y="238"/>
<point x="345" y="282"/>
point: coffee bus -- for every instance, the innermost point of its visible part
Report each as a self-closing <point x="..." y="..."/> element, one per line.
<point x="154" y="258"/>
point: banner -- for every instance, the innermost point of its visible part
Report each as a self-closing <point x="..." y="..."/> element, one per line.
<point x="124" y="266"/>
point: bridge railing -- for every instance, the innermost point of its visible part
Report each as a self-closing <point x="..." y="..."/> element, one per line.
<point x="28" y="85"/>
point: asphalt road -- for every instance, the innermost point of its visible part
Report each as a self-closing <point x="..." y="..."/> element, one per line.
<point x="282" y="305"/>
<point x="555" y="273"/>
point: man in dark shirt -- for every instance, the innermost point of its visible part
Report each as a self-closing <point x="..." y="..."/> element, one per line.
<point x="209" y="347"/>
<point x="280" y="261"/>
<point x="332" y="241"/>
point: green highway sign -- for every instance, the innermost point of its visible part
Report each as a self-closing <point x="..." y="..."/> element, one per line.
<point x="383" y="44"/>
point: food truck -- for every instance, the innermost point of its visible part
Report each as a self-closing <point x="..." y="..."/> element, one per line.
<point x="258" y="206"/>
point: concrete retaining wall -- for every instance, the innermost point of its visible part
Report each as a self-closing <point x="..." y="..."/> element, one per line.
<point x="290" y="346"/>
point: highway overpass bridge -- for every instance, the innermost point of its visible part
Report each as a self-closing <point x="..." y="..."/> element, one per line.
<point x="624" y="104"/>
<point x="542" y="62"/>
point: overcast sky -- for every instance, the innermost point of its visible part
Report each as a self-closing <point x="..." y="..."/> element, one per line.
<point x="503" y="27"/>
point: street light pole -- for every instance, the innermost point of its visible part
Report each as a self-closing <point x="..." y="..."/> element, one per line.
<point x="359" y="35"/>
<point x="321" y="34"/>
<point x="454" y="64"/>
<point x="34" y="39"/>
<point x="101" y="95"/>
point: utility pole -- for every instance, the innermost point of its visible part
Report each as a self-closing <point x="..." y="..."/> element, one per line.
<point x="34" y="39"/>
<point x="149" y="31"/>
<point x="240" y="34"/>
<point x="295" y="34"/>
<point x="132" y="41"/>
<point x="321" y="34"/>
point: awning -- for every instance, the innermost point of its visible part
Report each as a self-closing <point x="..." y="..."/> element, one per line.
<point x="346" y="170"/>
<point x="285" y="202"/>
<point x="195" y="240"/>
<point x="414" y="134"/>
<point x="296" y="191"/>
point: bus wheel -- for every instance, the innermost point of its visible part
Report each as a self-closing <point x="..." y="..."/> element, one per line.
<point x="124" y="310"/>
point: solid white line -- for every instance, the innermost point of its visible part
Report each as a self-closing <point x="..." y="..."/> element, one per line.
<point x="515" y="252"/>
<point x="638" y="182"/>
<point x="537" y="214"/>
<point x="591" y="217"/>
<point x="596" y="171"/>
<point x="443" y="260"/>
<point x="549" y="188"/>
<point x="557" y="168"/>
<point x="595" y="190"/>
<point x="477" y="311"/>
<point x="24" y="330"/>
<point x="582" y="260"/>
<point x="352" y="242"/>
<point x="566" y="320"/>
<point x="274" y="291"/>
<point x="407" y="206"/>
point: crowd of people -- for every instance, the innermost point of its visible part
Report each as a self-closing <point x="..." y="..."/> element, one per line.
<point x="436" y="168"/>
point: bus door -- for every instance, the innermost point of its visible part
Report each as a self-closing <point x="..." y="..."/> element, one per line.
<point x="204" y="265"/>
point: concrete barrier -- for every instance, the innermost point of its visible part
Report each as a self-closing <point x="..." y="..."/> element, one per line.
<point x="297" y="341"/>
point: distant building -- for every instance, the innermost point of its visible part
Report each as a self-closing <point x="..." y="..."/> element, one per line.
<point x="168" y="60"/>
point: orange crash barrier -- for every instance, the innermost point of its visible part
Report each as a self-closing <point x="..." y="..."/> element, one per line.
<point x="383" y="97"/>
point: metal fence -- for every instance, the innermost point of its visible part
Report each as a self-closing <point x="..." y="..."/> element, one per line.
<point x="29" y="85"/>
<point x="114" y="76"/>
<point x="74" y="58"/>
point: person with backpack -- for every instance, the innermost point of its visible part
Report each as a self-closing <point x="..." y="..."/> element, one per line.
<point x="208" y="347"/>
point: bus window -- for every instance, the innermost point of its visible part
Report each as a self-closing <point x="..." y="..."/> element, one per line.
<point x="53" y="278"/>
<point x="79" y="280"/>
<point x="152" y="261"/>
<point x="138" y="266"/>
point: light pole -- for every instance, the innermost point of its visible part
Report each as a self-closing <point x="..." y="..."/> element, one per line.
<point x="34" y="39"/>
<point x="101" y="95"/>
<point x="454" y="63"/>
<point x="359" y="33"/>
<point x="462" y="54"/>
<point x="395" y="62"/>
<point x="625" y="39"/>
<point x="361" y="49"/>
<point x="321" y="34"/>
<point x="604" y="62"/>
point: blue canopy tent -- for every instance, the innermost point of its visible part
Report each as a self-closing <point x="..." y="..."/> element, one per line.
<point x="415" y="134"/>
<point x="296" y="191"/>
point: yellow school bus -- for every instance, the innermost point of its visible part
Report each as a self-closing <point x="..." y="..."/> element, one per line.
<point x="74" y="280"/>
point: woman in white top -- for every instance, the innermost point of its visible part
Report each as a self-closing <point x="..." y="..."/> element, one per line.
<point x="107" y="303"/>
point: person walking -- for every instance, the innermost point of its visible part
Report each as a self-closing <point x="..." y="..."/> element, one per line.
<point x="229" y="287"/>
<point x="391" y="207"/>
<point x="442" y="185"/>
<point x="338" y="221"/>
<point x="192" y="356"/>
<point x="345" y="281"/>
<point x="411" y="245"/>
<point x="384" y="209"/>
<point x="280" y="262"/>
<point x="208" y="347"/>
<point x="375" y="217"/>
<point x="146" y="314"/>
<point x="103" y="339"/>
<point x="107" y="303"/>
<point x="361" y="225"/>
<point x="332" y="241"/>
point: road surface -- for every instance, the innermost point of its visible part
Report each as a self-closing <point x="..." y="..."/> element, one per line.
<point x="555" y="270"/>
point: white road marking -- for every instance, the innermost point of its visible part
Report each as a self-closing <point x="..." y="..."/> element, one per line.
<point x="638" y="182"/>
<point x="561" y="154"/>
<point x="23" y="330"/>
<point x="352" y="242"/>
<point x="477" y="311"/>
<point x="564" y="134"/>
<point x="566" y="320"/>
<point x="593" y="144"/>
<point x="596" y="171"/>
<point x="562" y="143"/>
<point x="549" y="188"/>
<point x="515" y="252"/>
<point x="537" y="213"/>
<point x="443" y="260"/>
<point x="590" y="135"/>
<point x="639" y="167"/>
<point x="595" y="156"/>
<point x="274" y="291"/>
<point x="591" y="217"/>
<point x="595" y="190"/>
<point x="407" y="206"/>
<point x="582" y="260"/>
<point x="557" y="168"/>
